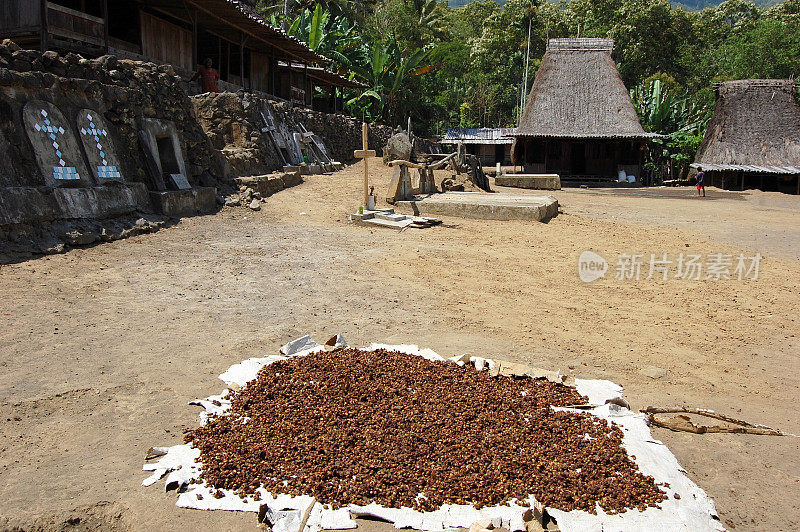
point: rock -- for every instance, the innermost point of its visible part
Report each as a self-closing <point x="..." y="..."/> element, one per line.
<point x="654" y="372"/>
<point x="81" y="238"/>
<point x="398" y="147"/>
<point x="107" y="236"/>
<point x="55" y="250"/>
<point x="49" y="57"/>
<point x="233" y="201"/>
<point x="255" y="205"/>
<point x="248" y="194"/>
<point x="109" y="62"/>
<point x="11" y="45"/>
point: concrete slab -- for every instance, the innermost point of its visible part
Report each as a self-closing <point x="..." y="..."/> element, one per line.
<point x="177" y="203"/>
<point x="391" y="220"/>
<point x="484" y="206"/>
<point x="533" y="181"/>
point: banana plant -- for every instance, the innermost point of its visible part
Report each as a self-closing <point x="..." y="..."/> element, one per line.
<point x="333" y="37"/>
<point x="682" y="121"/>
<point x="389" y="75"/>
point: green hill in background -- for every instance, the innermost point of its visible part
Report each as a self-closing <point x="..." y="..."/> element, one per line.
<point x="690" y="5"/>
<point x="697" y="5"/>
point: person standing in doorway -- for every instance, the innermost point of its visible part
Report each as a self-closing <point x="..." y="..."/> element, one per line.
<point x="208" y="77"/>
<point x="701" y="182"/>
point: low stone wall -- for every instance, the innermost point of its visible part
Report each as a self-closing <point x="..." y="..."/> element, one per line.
<point x="237" y="124"/>
<point x="266" y="185"/>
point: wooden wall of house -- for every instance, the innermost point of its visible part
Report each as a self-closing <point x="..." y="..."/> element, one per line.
<point x="19" y="15"/>
<point x="589" y="157"/>
<point x="259" y="71"/>
<point x="165" y="42"/>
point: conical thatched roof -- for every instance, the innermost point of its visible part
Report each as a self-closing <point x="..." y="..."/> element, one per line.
<point x="755" y="128"/>
<point x="578" y="93"/>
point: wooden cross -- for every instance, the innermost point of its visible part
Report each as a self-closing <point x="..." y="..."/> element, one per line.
<point x="365" y="154"/>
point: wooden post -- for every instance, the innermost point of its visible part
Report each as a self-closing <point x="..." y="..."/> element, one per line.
<point x="241" y="60"/>
<point x="365" y="153"/>
<point x="273" y="66"/>
<point x="365" y="147"/>
<point x="105" y="24"/>
<point x="305" y="84"/>
<point x="43" y="19"/>
<point x="195" y="52"/>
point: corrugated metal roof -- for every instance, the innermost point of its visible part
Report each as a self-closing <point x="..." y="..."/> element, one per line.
<point x="481" y="135"/>
<point x="754" y="169"/>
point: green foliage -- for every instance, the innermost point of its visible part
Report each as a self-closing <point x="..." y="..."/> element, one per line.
<point x="447" y="66"/>
<point x="390" y="74"/>
<point x="681" y="118"/>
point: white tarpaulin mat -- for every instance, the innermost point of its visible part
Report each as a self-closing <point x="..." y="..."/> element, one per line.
<point x="692" y="511"/>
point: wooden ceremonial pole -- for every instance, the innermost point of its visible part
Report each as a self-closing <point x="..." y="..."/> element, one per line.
<point x="365" y="153"/>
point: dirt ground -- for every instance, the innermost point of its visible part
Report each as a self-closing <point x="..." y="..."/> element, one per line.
<point x="102" y="348"/>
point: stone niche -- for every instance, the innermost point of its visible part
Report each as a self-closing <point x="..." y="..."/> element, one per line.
<point x="173" y="195"/>
<point x="57" y="151"/>
<point x="164" y="154"/>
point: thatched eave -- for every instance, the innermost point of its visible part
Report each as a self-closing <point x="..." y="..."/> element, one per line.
<point x="748" y="168"/>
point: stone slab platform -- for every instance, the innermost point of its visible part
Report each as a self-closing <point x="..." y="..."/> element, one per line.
<point x="534" y="181"/>
<point x="190" y="202"/>
<point x="31" y="204"/>
<point x="484" y="206"/>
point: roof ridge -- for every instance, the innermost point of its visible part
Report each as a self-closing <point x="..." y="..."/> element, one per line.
<point x="580" y="44"/>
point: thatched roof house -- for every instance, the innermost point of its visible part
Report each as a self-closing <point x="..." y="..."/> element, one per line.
<point x="753" y="139"/>
<point x="579" y="120"/>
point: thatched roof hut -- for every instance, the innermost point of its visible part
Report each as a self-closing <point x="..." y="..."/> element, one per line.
<point x="755" y="128"/>
<point x="578" y="93"/>
<point x="579" y="121"/>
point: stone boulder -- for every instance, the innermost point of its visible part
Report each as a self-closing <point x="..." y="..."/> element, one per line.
<point x="398" y="147"/>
